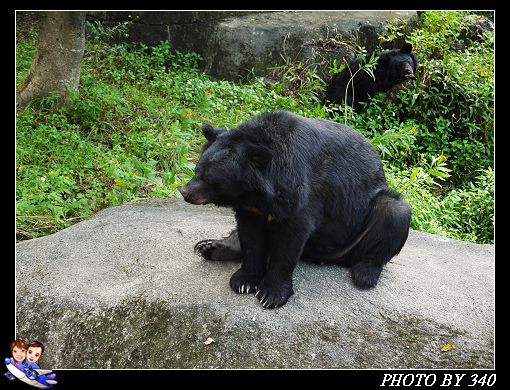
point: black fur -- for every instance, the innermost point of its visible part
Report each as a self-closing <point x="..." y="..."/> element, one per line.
<point x="300" y="188"/>
<point x="393" y="69"/>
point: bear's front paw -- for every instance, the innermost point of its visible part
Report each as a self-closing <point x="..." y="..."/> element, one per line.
<point x="274" y="294"/>
<point x="205" y="248"/>
<point x="243" y="282"/>
<point x="216" y="250"/>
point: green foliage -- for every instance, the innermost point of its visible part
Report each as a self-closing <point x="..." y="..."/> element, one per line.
<point x="298" y="80"/>
<point x="25" y="51"/>
<point x="64" y="174"/>
<point x="133" y="130"/>
<point x="464" y="214"/>
<point x="468" y="213"/>
<point x="452" y="101"/>
<point x="100" y="35"/>
<point x="366" y="65"/>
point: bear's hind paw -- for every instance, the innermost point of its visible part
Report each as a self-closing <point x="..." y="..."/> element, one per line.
<point x="365" y="275"/>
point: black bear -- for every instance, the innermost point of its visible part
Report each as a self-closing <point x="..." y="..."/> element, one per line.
<point x="300" y="188"/>
<point x="393" y="69"/>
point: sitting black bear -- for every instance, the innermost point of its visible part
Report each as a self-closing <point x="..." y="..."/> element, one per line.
<point x="393" y="69"/>
<point x="300" y="188"/>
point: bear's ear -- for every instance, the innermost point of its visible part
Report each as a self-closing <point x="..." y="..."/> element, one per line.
<point x="259" y="155"/>
<point x="406" y="48"/>
<point x="211" y="133"/>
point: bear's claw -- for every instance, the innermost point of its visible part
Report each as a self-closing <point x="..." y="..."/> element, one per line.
<point x="203" y="247"/>
<point x="273" y="296"/>
<point x="243" y="282"/>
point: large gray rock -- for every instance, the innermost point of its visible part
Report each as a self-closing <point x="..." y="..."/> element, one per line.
<point x="124" y="289"/>
<point x="234" y="44"/>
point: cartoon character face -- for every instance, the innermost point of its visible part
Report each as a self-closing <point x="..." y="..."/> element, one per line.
<point x="33" y="354"/>
<point x="19" y="354"/>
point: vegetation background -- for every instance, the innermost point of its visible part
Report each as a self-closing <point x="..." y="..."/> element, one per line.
<point x="133" y="130"/>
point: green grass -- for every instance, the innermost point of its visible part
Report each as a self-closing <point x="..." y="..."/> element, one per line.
<point x="134" y="130"/>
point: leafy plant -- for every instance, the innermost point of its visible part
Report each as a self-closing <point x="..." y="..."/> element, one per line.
<point x="366" y="64"/>
<point x="452" y="102"/>
<point x="469" y="212"/>
<point x="100" y="34"/>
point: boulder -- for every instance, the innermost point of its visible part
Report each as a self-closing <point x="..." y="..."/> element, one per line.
<point x="124" y="289"/>
<point x="475" y="27"/>
<point x="236" y="44"/>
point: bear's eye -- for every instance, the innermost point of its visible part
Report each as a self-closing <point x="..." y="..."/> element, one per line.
<point x="209" y="179"/>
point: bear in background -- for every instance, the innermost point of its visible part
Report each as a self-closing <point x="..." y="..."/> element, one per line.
<point x="301" y="188"/>
<point x="394" y="68"/>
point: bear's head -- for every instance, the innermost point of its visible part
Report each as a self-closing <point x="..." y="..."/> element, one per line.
<point x="230" y="166"/>
<point x="396" y="67"/>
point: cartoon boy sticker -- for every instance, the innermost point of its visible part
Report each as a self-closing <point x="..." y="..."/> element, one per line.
<point x="18" y="353"/>
<point x="34" y="353"/>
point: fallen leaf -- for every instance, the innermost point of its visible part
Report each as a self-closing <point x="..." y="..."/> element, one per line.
<point x="446" y="347"/>
<point x="209" y="341"/>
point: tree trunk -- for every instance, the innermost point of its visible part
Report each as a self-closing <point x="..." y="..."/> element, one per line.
<point x="57" y="62"/>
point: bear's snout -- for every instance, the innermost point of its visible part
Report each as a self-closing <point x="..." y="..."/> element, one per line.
<point x="408" y="73"/>
<point x="184" y="191"/>
<point x="194" y="193"/>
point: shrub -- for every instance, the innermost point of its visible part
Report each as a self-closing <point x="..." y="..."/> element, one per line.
<point x="452" y="101"/>
<point x="468" y="213"/>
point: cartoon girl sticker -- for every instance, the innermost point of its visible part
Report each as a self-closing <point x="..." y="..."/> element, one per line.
<point x="18" y="353"/>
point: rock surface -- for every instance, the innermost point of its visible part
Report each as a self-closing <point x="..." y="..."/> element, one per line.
<point x="123" y="289"/>
<point x="235" y="44"/>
